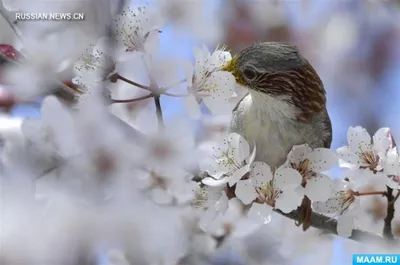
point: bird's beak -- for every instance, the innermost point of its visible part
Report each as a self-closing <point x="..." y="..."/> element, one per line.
<point x="231" y="67"/>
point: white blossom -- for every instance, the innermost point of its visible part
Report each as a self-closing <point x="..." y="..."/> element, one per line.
<point x="44" y="65"/>
<point x="364" y="152"/>
<point x="392" y="168"/>
<point x="138" y="30"/>
<point x="232" y="222"/>
<point x="272" y="190"/>
<point x="95" y="65"/>
<point x="310" y="163"/>
<point x="230" y="162"/>
<point x="169" y="186"/>
<point x="206" y="82"/>
<point x="213" y="208"/>
<point x="344" y="205"/>
<point x="54" y="133"/>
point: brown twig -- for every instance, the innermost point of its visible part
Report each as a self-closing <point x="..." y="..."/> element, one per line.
<point x="132" y="82"/>
<point x="159" y="111"/>
<point x="329" y="225"/>
<point x="132" y="99"/>
<point x="174" y="95"/>
<point x="357" y="193"/>
<point x="387" y="228"/>
<point x="396" y="197"/>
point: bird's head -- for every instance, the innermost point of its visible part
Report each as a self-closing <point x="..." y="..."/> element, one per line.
<point x="281" y="72"/>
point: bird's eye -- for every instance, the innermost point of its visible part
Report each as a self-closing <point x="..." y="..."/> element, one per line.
<point x="249" y="73"/>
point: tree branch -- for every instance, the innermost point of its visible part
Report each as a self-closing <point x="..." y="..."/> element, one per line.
<point x="387" y="228"/>
<point x="159" y="111"/>
<point x="131" y="82"/>
<point x="329" y="225"/>
<point x="132" y="99"/>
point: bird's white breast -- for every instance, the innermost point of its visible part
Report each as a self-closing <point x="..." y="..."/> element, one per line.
<point x="268" y="122"/>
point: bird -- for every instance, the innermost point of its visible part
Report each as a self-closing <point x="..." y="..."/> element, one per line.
<point x="285" y="105"/>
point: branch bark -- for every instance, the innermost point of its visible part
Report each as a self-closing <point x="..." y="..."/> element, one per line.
<point x="387" y="228"/>
<point x="329" y="225"/>
<point x="159" y="111"/>
<point x="132" y="99"/>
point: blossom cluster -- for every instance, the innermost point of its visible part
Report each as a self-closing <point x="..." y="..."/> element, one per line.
<point x="367" y="160"/>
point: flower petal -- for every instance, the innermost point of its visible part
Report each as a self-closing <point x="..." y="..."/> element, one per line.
<point x="299" y="153"/>
<point x="287" y="178"/>
<point x="332" y="205"/>
<point x="346" y="154"/>
<point x="208" y="218"/>
<point x="245" y="191"/>
<point x="288" y="201"/>
<point x="240" y="147"/>
<point x="260" y="173"/>
<point x="321" y="159"/>
<point x="392" y="162"/>
<point x="249" y="160"/>
<point x="214" y="182"/>
<point x="222" y="204"/>
<point x="245" y="227"/>
<point x="189" y="71"/>
<point x="345" y="225"/>
<point x="218" y="106"/>
<point x="382" y="140"/>
<point x="393" y="182"/>
<point x="358" y="137"/>
<point x="219" y="58"/>
<point x="191" y="107"/>
<point x="238" y="174"/>
<point x="160" y="196"/>
<point x="319" y="187"/>
<point x="260" y="213"/>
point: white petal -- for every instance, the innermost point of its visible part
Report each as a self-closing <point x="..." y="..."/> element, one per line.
<point x="188" y="68"/>
<point x="220" y="58"/>
<point x="260" y="173"/>
<point x="219" y="85"/>
<point x="393" y="182"/>
<point x="240" y="147"/>
<point x="260" y="213"/>
<point x="160" y="196"/>
<point x="298" y="153"/>
<point x="152" y="42"/>
<point x="322" y="159"/>
<point x="245" y="227"/>
<point x="392" y="162"/>
<point x="288" y="201"/>
<point x="287" y="178"/>
<point x="245" y="191"/>
<point x="319" y="187"/>
<point x="32" y="129"/>
<point x="347" y="154"/>
<point x="191" y="107"/>
<point x="249" y="160"/>
<point x="222" y="204"/>
<point x="214" y="182"/>
<point x="358" y="137"/>
<point x="238" y="174"/>
<point x="218" y="106"/>
<point x="208" y="218"/>
<point x="332" y="205"/>
<point x="345" y="225"/>
<point x="382" y="140"/>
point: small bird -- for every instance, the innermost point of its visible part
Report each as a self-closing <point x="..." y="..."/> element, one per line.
<point x="285" y="105"/>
